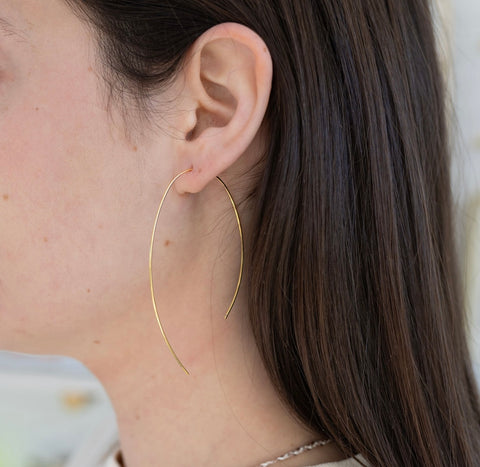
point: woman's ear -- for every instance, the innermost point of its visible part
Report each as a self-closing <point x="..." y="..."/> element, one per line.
<point x="227" y="81"/>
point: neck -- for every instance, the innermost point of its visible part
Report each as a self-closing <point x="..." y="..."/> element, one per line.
<point x="225" y="412"/>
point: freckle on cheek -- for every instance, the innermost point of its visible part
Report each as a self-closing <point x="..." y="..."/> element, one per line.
<point x="167" y="242"/>
<point x="45" y="239"/>
<point x="5" y="197"/>
<point x="96" y="342"/>
<point x="88" y="290"/>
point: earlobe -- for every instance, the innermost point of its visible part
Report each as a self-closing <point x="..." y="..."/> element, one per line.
<point x="228" y="78"/>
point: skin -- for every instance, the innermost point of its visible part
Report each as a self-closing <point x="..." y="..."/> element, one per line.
<point x="78" y="197"/>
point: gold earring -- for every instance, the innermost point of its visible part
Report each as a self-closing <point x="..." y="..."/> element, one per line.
<point x="151" y="252"/>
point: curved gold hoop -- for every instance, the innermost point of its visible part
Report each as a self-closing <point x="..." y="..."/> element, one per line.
<point x="151" y="253"/>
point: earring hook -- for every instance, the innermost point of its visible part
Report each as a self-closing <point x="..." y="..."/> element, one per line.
<point x="151" y="254"/>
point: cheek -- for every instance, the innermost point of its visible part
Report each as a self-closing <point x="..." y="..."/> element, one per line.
<point x="60" y="200"/>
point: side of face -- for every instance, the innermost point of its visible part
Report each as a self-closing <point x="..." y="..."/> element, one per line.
<point x="78" y="197"/>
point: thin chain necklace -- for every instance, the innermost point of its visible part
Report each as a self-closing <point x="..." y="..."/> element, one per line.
<point x="295" y="452"/>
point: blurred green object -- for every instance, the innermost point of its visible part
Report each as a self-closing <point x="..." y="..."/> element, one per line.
<point x="10" y="452"/>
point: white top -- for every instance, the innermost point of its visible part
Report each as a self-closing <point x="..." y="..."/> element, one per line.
<point x="112" y="462"/>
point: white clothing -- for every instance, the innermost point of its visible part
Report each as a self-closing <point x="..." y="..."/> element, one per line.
<point x="112" y="462"/>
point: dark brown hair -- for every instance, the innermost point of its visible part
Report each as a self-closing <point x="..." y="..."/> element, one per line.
<point x="355" y="297"/>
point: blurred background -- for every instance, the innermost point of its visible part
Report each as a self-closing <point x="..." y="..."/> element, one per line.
<point x="51" y="405"/>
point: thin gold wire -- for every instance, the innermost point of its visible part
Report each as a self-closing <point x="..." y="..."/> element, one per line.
<point x="151" y="254"/>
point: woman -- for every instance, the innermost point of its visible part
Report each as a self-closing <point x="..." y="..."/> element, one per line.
<point x="326" y="123"/>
